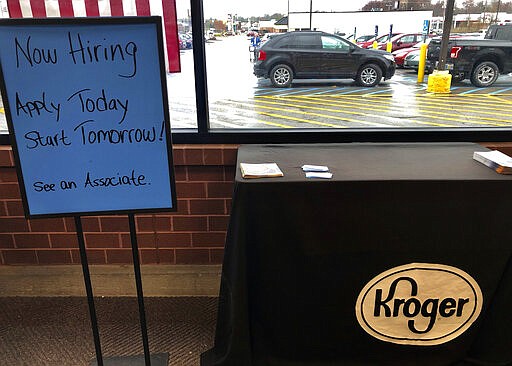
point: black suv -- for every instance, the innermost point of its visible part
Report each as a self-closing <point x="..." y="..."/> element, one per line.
<point x="319" y="55"/>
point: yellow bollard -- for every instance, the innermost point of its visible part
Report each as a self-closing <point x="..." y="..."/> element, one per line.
<point x="421" y="65"/>
<point x="389" y="46"/>
<point x="375" y="45"/>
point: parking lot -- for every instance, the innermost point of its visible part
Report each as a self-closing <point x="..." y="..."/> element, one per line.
<point x="237" y="99"/>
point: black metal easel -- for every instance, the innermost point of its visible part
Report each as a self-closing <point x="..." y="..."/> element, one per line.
<point x="159" y="359"/>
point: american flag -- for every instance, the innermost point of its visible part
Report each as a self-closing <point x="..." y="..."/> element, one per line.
<point x="104" y="8"/>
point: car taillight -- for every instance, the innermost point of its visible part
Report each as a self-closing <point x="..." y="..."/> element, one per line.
<point x="262" y="55"/>
<point x="454" y="52"/>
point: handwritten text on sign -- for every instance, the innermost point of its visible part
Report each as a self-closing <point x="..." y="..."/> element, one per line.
<point x="87" y="111"/>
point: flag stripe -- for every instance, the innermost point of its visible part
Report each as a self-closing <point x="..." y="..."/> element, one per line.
<point x="66" y="8"/>
<point x="171" y="35"/>
<point x="142" y="7"/>
<point x="38" y="8"/>
<point x="116" y="8"/>
<point x="91" y="8"/>
<point x="14" y="8"/>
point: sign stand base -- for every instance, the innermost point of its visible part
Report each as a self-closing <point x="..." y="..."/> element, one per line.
<point x="157" y="359"/>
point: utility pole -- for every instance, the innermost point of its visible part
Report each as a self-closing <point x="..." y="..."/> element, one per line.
<point x="447" y="25"/>
<point x="497" y="11"/>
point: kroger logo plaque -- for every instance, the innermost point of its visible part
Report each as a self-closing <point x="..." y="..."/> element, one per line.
<point x="419" y="304"/>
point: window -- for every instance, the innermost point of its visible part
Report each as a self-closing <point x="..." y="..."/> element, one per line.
<point x="332" y="43"/>
<point x="216" y="96"/>
<point x="303" y="41"/>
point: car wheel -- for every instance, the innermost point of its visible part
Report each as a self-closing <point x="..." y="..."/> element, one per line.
<point x="485" y="74"/>
<point x="369" y="75"/>
<point x="458" y="78"/>
<point x="281" y="76"/>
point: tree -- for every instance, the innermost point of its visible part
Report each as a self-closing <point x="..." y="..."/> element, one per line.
<point x="389" y="5"/>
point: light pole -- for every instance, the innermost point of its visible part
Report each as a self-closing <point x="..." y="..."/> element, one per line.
<point x="310" y="14"/>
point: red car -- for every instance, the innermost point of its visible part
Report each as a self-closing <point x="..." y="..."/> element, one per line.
<point x="404" y="40"/>
<point x="402" y="53"/>
<point x="368" y="43"/>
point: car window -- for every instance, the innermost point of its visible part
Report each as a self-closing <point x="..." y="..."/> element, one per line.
<point x="305" y="41"/>
<point x="331" y="43"/>
<point x="504" y="32"/>
<point x="408" y="39"/>
<point x="281" y="42"/>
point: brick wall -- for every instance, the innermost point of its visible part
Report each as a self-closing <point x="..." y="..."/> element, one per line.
<point x="195" y="234"/>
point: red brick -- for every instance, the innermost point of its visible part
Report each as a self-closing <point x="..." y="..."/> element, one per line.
<point x="54" y="256"/>
<point x="13" y="225"/>
<point x="183" y="207"/>
<point x="31" y="241"/>
<point x="165" y="240"/>
<point x="210" y="206"/>
<point x="114" y="224"/>
<point x="102" y="240"/>
<point x="63" y="241"/>
<point x="229" y="173"/>
<point x="6" y="157"/>
<point x="218" y="223"/>
<point x="8" y="175"/>
<point x="230" y="156"/>
<point x="6" y="241"/>
<point x="19" y="256"/>
<point x="94" y="256"/>
<point x="3" y="209"/>
<point x="206" y="173"/>
<point x="149" y="256"/>
<point x="191" y="190"/>
<point x="126" y="241"/>
<point x="213" y="156"/>
<point x="220" y="189"/>
<point x="45" y="225"/>
<point x="15" y="208"/>
<point x="216" y="256"/>
<point x="9" y="191"/>
<point x="119" y="256"/>
<point x="208" y="239"/>
<point x="153" y="223"/>
<point x="192" y="256"/>
<point x="194" y="156"/>
<point x="229" y="204"/>
<point x="178" y="156"/>
<point x="180" y="173"/>
<point x="166" y="256"/>
<point x="89" y="224"/>
<point x="190" y="223"/>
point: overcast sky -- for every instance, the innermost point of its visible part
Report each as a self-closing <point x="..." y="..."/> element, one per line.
<point x="220" y="8"/>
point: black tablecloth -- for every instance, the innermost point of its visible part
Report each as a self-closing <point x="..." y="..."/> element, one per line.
<point x="299" y="251"/>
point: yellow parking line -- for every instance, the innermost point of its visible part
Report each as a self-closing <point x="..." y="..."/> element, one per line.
<point x="478" y="107"/>
<point x="431" y="115"/>
<point x="504" y="101"/>
<point x="300" y="120"/>
<point x="350" y="112"/>
<point x="274" y="124"/>
<point x="328" y="116"/>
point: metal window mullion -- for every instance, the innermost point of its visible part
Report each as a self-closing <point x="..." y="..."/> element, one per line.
<point x="197" y="16"/>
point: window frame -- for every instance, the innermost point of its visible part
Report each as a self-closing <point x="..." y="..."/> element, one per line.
<point x="205" y="135"/>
